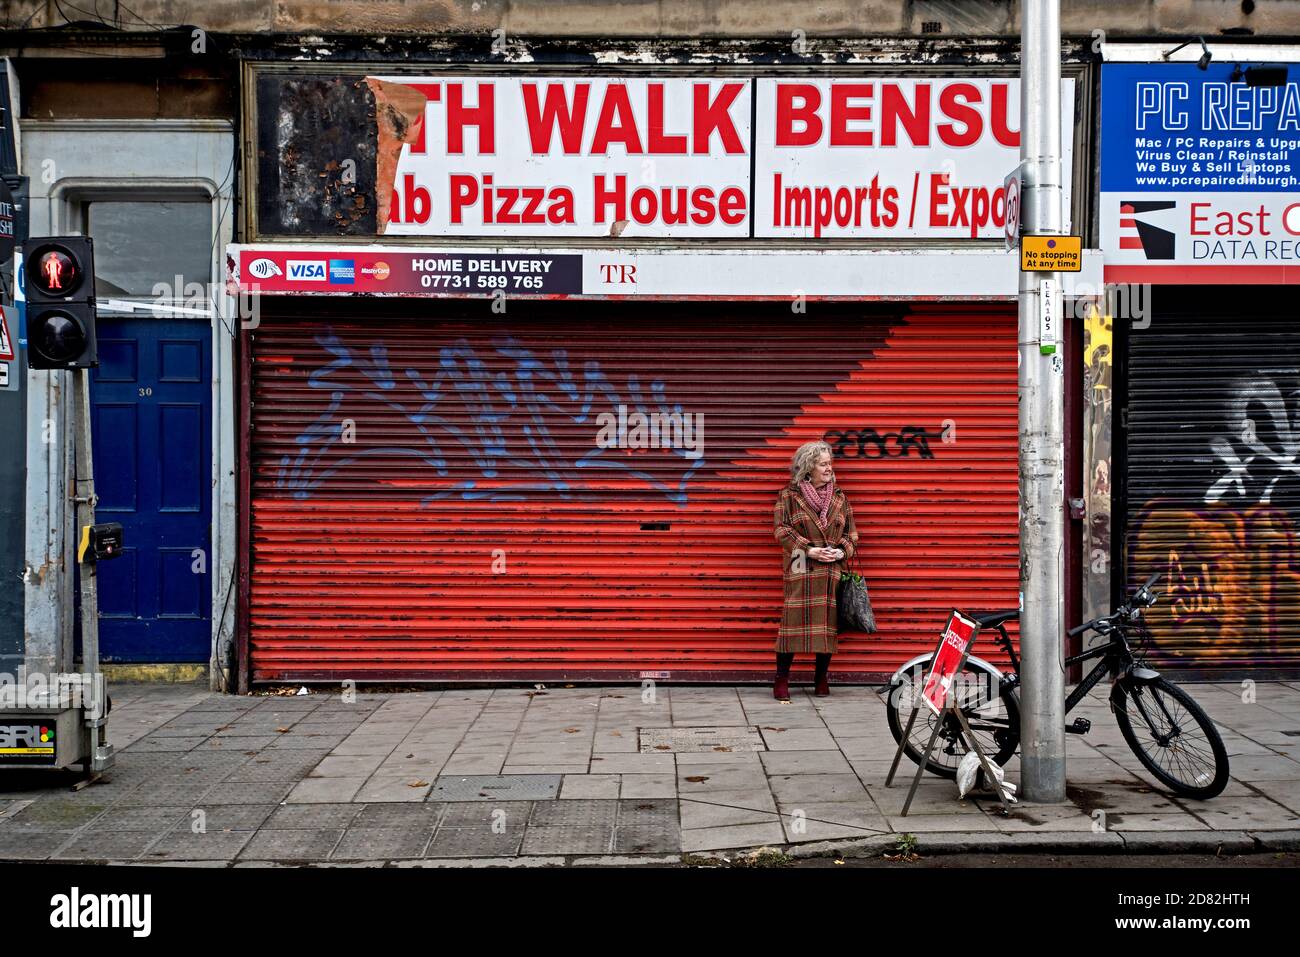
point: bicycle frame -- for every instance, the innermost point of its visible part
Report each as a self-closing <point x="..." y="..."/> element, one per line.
<point x="1115" y="655"/>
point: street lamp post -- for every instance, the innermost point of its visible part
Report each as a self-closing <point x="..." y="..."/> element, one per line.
<point x="1041" y="389"/>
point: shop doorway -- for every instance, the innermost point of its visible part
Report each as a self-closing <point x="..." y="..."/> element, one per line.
<point x="151" y="411"/>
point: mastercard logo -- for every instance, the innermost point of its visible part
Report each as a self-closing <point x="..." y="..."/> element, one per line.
<point x="377" y="270"/>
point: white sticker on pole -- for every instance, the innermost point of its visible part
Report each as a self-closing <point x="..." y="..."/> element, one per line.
<point x="1049" y="315"/>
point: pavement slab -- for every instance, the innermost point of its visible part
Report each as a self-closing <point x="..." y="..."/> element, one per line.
<point x="509" y="776"/>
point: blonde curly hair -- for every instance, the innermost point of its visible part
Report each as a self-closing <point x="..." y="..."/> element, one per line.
<point x="805" y="458"/>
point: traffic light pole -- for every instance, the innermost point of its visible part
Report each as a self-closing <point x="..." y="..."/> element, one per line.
<point x="55" y="716"/>
<point x="1042" y="446"/>
<point x="97" y="752"/>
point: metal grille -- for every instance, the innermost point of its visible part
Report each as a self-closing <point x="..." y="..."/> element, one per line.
<point x="1213" y="487"/>
<point x="430" y="498"/>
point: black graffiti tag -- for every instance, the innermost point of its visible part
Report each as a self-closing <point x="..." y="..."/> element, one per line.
<point x="870" y="444"/>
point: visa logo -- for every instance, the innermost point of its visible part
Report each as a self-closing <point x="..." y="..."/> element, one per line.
<point x="306" y="270"/>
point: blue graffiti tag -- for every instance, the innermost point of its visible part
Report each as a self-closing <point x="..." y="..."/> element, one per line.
<point x="467" y="409"/>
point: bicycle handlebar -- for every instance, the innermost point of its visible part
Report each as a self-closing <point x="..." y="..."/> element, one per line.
<point x="1080" y="629"/>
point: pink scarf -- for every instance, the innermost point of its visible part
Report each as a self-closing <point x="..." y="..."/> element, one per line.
<point x="819" y="500"/>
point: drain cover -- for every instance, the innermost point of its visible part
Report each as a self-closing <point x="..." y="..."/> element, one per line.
<point x="687" y="740"/>
<point x="496" y="787"/>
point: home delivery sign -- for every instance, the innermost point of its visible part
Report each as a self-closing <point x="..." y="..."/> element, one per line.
<point x="866" y="157"/>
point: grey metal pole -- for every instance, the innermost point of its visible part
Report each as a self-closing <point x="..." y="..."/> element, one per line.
<point x="1042" y="453"/>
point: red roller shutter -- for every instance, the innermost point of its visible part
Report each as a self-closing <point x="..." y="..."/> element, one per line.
<point x="429" y="499"/>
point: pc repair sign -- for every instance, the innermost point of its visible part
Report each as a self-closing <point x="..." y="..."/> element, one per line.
<point x="1200" y="173"/>
<point x="705" y="157"/>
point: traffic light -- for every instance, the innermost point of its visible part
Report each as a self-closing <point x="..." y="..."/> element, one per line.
<point x="59" y="282"/>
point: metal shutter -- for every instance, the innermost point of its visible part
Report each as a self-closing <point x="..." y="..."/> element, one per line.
<point x="472" y="529"/>
<point x="1212" y="482"/>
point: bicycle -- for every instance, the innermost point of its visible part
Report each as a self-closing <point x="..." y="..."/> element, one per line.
<point x="1168" y="731"/>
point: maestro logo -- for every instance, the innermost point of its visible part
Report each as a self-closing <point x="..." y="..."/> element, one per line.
<point x="343" y="272"/>
<point x="377" y="270"/>
<point x="306" y="270"/>
<point x="264" y="269"/>
<point x="1156" y="242"/>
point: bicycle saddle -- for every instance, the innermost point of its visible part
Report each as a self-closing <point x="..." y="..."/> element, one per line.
<point x="991" y="619"/>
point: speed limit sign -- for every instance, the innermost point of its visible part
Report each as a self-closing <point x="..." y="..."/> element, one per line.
<point x="1011" y="190"/>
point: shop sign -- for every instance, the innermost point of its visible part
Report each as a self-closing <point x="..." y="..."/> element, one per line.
<point x="1199" y="173"/>
<point x="798" y="158"/>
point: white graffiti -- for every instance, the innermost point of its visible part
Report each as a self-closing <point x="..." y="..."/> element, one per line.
<point x="1258" y="472"/>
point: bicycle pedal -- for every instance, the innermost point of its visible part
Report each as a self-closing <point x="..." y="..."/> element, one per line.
<point x="1079" y="726"/>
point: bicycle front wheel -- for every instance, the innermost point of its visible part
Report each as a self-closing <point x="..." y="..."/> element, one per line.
<point x="1173" y="738"/>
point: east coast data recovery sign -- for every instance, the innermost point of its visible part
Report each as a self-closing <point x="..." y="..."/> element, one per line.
<point x="1200" y="174"/>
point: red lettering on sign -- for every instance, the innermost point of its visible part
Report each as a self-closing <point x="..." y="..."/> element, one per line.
<point x="955" y="102"/>
<point x="616" y="107"/>
<point x="556" y="113"/>
<point x="459" y="116"/>
<point x="412" y="204"/>
<point x="715" y="116"/>
<point x="842" y="112"/>
<point x="787" y="114"/>
<point x="895" y="111"/>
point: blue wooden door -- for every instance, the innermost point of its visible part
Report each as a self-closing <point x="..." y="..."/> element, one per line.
<point x="151" y="400"/>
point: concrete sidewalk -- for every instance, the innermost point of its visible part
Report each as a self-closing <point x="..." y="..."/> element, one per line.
<point x="597" y="774"/>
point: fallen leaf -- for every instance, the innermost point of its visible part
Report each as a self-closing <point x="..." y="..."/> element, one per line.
<point x="663" y="747"/>
<point x="698" y="778"/>
<point x="572" y="730"/>
<point x="418" y="784"/>
<point x="722" y="747"/>
<point x="282" y="730"/>
<point x="617" y="734"/>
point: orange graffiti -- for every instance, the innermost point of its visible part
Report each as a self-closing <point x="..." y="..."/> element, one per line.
<point x="1230" y="579"/>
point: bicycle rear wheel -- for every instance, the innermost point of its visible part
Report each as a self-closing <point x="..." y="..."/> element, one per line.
<point x="1173" y="738"/>
<point x="993" y="713"/>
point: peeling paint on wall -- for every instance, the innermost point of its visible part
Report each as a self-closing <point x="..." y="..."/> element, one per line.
<point x="316" y="155"/>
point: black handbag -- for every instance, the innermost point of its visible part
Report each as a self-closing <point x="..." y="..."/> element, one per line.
<point x="853" y="604"/>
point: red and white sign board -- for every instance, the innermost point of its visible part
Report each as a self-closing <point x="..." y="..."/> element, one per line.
<point x="6" y="342"/>
<point x="701" y="158"/>
<point x="972" y="273"/>
<point x="957" y="638"/>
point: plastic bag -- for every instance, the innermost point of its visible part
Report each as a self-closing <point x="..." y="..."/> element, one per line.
<point x="854" y="604"/>
<point x="968" y="770"/>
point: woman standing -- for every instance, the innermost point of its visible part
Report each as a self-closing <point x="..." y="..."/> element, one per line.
<point x="814" y="525"/>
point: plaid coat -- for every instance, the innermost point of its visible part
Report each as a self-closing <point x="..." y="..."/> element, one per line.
<point x="808" y="615"/>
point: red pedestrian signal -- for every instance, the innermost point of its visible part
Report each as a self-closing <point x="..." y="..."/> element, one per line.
<point x="59" y="284"/>
<point x="56" y="272"/>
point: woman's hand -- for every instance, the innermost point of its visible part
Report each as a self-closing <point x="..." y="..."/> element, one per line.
<point x="818" y="553"/>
